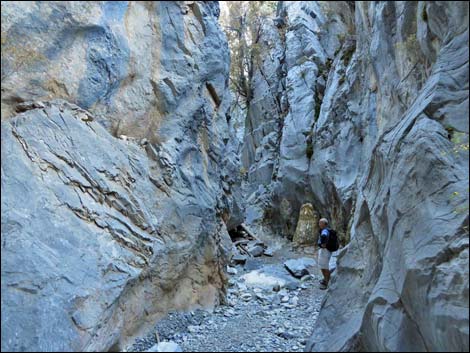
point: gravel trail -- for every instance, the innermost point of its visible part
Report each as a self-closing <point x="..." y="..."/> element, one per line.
<point x="260" y="316"/>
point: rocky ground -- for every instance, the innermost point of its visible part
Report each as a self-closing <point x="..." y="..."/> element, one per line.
<point x="268" y="310"/>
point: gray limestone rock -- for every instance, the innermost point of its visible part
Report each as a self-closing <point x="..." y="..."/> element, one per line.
<point x="165" y="347"/>
<point x="373" y="112"/>
<point x="268" y="252"/>
<point x="97" y="231"/>
<point x="256" y="250"/>
<point x="112" y="232"/>
<point x="299" y="267"/>
<point x="238" y="259"/>
<point x="405" y="218"/>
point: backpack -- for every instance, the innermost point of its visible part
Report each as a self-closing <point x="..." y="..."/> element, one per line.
<point x="332" y="244"/>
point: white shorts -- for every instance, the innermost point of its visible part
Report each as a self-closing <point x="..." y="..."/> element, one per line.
<point x="324" y="257"/>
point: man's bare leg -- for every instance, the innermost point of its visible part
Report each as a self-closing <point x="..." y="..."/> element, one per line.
<point x="326" y="275"/>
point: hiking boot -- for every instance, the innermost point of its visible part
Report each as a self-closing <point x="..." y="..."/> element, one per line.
<point x="323" y="286"/>
<point x="322" y="281"/>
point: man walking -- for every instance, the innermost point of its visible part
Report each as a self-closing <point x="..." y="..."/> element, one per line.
<point x="324" y="254"/>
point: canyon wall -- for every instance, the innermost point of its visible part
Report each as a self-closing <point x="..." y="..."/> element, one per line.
<point x="116" y="169"/>
<point x="362" y="110"/>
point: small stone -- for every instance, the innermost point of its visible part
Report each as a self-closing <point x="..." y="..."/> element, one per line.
<point x="268" y="252"/>
<point x="294" y="300"/>
<point x="287" y="335"/>
<point x="232" y="303"/>
<point x="193" y="329"/>
<point x="256" y="250"/>
<point x="276" y="288"/>
<point x="260" y="297"/>
<point x="231" y="270"/>
<point x="165" y="347"/>
<point x="246" y="296"/>
<point x="288" y="306"/>
<point x="242" y="286"/>
<point x="238" y="259"/>
<point x="284" y="299"/>
<point x="256" y="242"/>
<point x="292" y="286"/>
<point x="227" y="315"/>
<point x="241" y="242"/>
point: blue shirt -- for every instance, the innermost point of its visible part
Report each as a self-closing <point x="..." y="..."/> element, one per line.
<point x="323" y="238"/>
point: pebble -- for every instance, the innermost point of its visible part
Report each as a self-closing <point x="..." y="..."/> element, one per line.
<point x="294" y="300"/>
<point x="193" y="329"/>
<point x="246" y="296"/>
<point x="231" y="270"/>
<point x="280" y="320"/>
<point x="165" y="347"/>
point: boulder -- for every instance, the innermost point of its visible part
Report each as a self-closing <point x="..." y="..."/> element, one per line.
<point x="306" y="232"/>
<point x="299" y="267"/>
<point x="256" y="250"/>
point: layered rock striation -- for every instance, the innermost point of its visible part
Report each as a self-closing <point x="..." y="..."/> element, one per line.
<point x="117" y="179"/>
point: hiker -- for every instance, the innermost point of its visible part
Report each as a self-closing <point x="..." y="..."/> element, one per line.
<point x="324" y="254"/>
